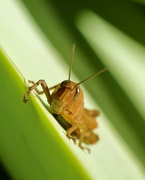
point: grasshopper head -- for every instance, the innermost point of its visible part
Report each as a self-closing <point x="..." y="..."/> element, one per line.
<point x="66" y="95"/>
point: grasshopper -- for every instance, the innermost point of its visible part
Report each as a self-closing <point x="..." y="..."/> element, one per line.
<point x="67" y="100"/>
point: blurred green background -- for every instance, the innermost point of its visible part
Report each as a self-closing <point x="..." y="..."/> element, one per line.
<point x="59" y="20"/>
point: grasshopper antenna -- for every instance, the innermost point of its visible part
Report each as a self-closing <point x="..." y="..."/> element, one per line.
<point x="71" y="61"/>
<point x="92" y="76"/>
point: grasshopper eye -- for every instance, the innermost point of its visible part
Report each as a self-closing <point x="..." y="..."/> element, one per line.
<point x="64" y="83"/>
<point x="77" y="92"/>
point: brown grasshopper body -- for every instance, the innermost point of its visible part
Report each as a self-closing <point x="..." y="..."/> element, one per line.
<point x="67" y="100"/>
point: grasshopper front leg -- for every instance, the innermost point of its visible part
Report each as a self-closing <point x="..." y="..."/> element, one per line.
<point x="82" y="139"/>
<point x="42" y="92"/>
<point x="34" y="87"/>
<point x="71" y="130"/>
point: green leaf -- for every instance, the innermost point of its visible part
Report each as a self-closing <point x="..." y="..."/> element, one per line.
<point x="30" y="144"/>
